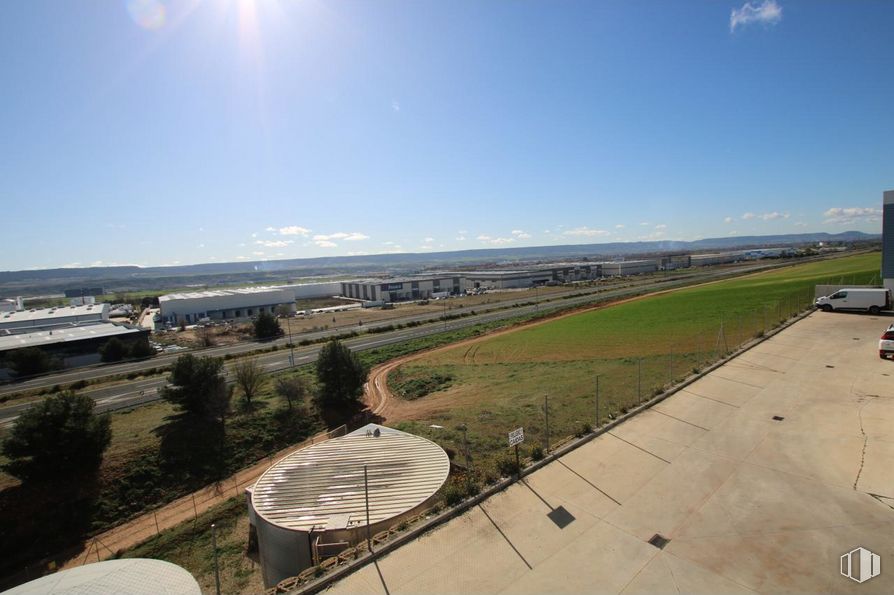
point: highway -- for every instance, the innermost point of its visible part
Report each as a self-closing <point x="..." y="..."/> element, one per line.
<point x="128" y="393"/>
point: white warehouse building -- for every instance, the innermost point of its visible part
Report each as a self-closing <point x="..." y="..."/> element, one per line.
<point x="223" y="304"/>
<point x="44" y="318"/>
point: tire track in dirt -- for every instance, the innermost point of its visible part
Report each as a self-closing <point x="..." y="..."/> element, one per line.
<point x="383" y="403"/>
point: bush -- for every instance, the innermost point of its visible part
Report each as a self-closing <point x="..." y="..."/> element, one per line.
<point x="507" y="466"/>
<point x="536" y="453"/>
<point x="454" y="493"/>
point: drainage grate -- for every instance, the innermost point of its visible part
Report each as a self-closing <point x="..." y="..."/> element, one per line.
<point x="561" y="517"/>
<point x="659" y="541"/>
<point x="778" y="418"/>
<point x="828" y="366"/>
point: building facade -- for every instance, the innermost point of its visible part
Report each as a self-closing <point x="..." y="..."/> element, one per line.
<point x="888" y="239"/>
<point x="223" y="304"/>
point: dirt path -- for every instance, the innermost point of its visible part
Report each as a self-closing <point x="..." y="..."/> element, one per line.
<point x="183" y="509"/>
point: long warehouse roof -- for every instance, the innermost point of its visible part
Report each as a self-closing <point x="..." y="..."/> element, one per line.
<point x="64" y="334"/>
<point x="321" y="486"/>
<point x="53" y="313"/>
<point x="191" y="295"/>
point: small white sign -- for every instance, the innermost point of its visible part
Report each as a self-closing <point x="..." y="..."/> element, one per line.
<point x="516" y="436"/>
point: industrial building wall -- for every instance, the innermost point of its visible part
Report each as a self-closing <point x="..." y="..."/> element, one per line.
<point x="237" y="305"/>
<point x="888" y="239"/>
<point x="304" y="291"/>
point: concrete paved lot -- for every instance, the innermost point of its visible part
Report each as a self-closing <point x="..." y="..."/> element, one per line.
<point x="750" y="504"/>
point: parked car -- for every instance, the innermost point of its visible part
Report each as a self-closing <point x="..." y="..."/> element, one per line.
<point x="869" y="300"/>
<point x="886" y="343"/>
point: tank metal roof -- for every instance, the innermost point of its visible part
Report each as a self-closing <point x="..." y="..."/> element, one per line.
<point x="321" y="486"/>
<point x="135" y="576"/>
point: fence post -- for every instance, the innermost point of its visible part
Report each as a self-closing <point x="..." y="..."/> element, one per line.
<point x="546" y="412"/>
<point x="639" y="380"/>
<point x="670" y="367"/>
<point x="194" y="507"/>
<point x="597" y="400"/>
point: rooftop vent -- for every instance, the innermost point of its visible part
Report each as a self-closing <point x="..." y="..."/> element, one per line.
<point x="778" y="418"/>
<point x="659" y="541"/>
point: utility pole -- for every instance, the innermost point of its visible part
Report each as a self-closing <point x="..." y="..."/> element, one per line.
<point x="291" y="345"/>
<point x="216" y="567"/>
<point x="366" y="496"/>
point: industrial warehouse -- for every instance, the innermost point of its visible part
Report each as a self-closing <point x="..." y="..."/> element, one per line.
<point x="327" y="497"/>
<point x="247" y="303"/>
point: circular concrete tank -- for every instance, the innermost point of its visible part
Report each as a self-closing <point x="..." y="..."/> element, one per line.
<point x="312" y="503"/>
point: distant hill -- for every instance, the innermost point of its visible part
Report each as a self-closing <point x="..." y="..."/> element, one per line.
<point x="133" y="278"/>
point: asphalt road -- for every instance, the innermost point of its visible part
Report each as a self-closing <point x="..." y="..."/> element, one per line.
<point x="128" y="393"/>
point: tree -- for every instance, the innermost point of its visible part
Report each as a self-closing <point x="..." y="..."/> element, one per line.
<point x="141" y="349"/>
<point x="293" y="390"/>
<point x="57" y="439"/>
<point x="266" y="326"/>
<point x="340" y="374"/>
<point x="197" y="386"/>
<point x="249" y="378"/>
<point x="29" y="361"/>
<point x="114" y="350"/>
<point x="284" y="310"/>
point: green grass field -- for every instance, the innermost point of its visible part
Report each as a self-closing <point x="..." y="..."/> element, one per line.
<point x="637" y="348"/>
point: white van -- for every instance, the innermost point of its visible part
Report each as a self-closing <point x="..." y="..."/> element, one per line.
<point x="870" y="300"/>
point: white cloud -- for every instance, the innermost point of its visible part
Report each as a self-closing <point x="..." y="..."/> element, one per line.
<point x="271" y="229"/>
<point x="661" y="226"/>
<point x="293" y="230"/>
<point x="495" y="241"/>
<point x="395" y="105"/>
<point x="341" y="235"/>
<point x="201" y="245"/>
<point x="767" y="12"/>
<point x="274" y="243"/>
<point x="460" y="238"/>
<point x="765" y="216"/>
<point x="357" y="253"/>
<point x="242" y="258"/>
<point x="645" y="223"/>
<point x="619" y="226"/>
<point x="727" y="219"/>
<point x="842" y="216"/>
<point x="325" y="244"/>
<point x="521" y="235"/>
<point x="254" y="235"/>
<point x="585" y="232"/>
<point x="800" y="224"/>
<point x="258" y="253"/>
<point x="428" y="240"/>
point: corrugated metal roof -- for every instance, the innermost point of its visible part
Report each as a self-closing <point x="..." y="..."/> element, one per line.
<point x="320" y="483"/>
<point x="64" y="334"/>
<point x="135" y="576"/>
<point x="50" y="314"/>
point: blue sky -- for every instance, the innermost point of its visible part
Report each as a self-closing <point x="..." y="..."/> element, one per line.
<point x="158" y="132"/>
